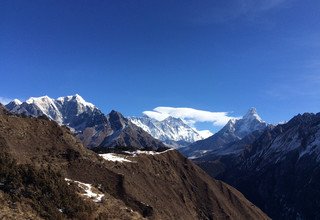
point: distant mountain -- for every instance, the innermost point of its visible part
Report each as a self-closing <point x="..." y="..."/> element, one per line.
<point x="279" y="170"/>
<point x="46" y="173"/>
<point x="172" y="131"/>
<point x="234" y="130"/>
<point x="93" y="127"/>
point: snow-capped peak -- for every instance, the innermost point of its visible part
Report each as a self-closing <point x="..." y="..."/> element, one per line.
<point x="250" y="122"/>
<point x="171" y="130"/>
<point x="41" y="99"/>
<point x="47" y="106"/>
<point x="76" y="98"/>
<point x="16" y="101"/>
<point x="62" y="110"/>
<point x="252" y="114"/>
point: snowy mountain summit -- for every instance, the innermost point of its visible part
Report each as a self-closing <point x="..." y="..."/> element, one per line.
<point x="63" y="110"/>
<point x="234" y="130"/>
<point x="93" y="128"/>
<point x="172" y="131"/>
<point x="250" y="122"/>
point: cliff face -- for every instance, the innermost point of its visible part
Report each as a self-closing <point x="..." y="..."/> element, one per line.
<point x="44" y="157"/>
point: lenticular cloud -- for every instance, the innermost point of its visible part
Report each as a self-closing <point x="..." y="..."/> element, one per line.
<point x="189" y="115"/>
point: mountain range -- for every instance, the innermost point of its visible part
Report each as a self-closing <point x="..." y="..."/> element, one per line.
<point x="234" y="130"/>
<point x="172" y="131"/>
<point x="91" y="126"/>
<point x="46" y="173"/>
<point x="283" y="165"/>
<point x="96" y="129"/>
<point x="275" y="167"/>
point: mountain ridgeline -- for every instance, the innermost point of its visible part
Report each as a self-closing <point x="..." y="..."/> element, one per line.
<point x="283" y="165"/>
<point x="276" y="167"/>
<point x="172" y="131"/>
<point x="46" y="173"/>
<point x="91" y="126"/>
<point x="98" y="130"/>
<point x="234" y="130"/>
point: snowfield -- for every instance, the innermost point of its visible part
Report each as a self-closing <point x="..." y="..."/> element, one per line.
<point x="123" y="158"/>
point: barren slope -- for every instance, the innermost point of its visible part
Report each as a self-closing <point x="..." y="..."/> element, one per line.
<point x="160" y="186"/>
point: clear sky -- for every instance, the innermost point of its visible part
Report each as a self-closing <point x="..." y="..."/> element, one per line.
<point x="134" y="56"/>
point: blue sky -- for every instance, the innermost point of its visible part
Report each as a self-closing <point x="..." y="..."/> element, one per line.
<point x="133" y="56"/>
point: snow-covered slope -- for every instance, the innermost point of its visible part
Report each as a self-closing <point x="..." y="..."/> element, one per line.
<point x="234" y="130"/>
<point x="172" y="131"/>
<point x="93" y="127"/>
<point x="62" y="110"/>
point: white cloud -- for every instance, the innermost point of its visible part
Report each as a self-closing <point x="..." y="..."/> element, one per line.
<point x="156" y="115"/>
<point x="189" y="115"/>
<point x="4" y="100"/>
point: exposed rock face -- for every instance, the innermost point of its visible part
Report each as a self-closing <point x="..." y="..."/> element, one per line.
<point x="234" y="130"/>
<point x="279" y="171"/>
<point x="156" y="186"/>
<point x="90" y="125"/>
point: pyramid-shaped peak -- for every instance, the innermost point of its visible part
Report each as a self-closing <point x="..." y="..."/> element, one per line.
<point x="252" y="114"/>
<point x="117" y="120"/>
<point x="116" y="114"/>
<point x="13" y="104"/>
<point x="16" y="101"/>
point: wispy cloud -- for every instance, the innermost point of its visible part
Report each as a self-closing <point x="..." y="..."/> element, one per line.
<point x="4" y="100"/>
<point x="190" y="115"/>
<point x="234" y="9"/>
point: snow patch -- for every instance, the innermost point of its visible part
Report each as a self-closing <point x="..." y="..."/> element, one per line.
<point x="137" y="152"/>
<point x="96" y="197"/>
<point x="114" y="157"/>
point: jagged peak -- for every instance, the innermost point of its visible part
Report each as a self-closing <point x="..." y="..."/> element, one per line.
<point x="117" y="120"/>
<point x="76" y="98"/>
<point x="231" y="122"/>
<point x="39" y="99"/>
<point x="252" y="114"/>
<point x="117" y="114"/>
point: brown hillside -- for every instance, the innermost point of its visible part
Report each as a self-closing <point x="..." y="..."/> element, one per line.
<point x="162" y="186"/>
